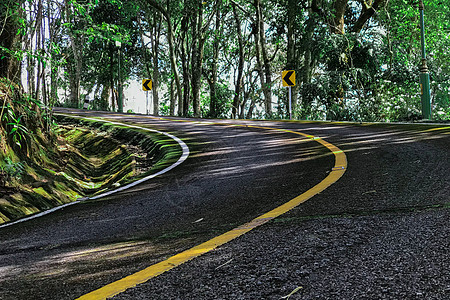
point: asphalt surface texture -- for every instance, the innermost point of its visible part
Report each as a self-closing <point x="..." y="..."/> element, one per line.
<point x="381" y="232"/>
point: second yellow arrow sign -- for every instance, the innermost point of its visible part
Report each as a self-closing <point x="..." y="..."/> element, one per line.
<point x="146" y="84"/>
<point x="288" y="77"/>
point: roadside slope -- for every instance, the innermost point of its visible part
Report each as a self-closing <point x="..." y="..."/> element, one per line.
<point x="88" y="159"/>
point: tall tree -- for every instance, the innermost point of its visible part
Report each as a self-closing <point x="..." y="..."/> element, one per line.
<point x="155" y="41"/>
<point x="170" y="39"/>
<point x="76" y="56"/>
<point x="262" y="57"/>
<point x="10" y="14"/>
<point x="240" y="69"/>
<point x="212" y="72"/>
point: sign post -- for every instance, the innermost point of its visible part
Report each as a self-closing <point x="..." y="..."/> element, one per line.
<point x="288" y="79"/>
<point x="146" y="103"/>
<point x="120" y="87"/>
<point x="147" y="85"/>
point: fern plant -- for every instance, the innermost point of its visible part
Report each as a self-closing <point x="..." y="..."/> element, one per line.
<point x="18" y="131"/>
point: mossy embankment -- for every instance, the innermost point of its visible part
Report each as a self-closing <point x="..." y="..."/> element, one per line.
<point x="81" y="158"/>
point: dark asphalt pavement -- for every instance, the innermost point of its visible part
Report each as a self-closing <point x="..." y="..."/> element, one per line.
<point x="393" y="198"/>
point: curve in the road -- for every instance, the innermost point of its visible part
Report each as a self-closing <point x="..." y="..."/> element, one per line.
<point x="183" y="157"/>
<point x="152" y="271"/>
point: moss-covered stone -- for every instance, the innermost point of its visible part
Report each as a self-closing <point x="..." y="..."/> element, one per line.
<point x="88" y="158"/>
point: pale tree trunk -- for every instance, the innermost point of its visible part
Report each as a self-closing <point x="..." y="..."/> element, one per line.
<point x="199" y="35"/>
<point x="267" y="68"/>
<point x="75" y="76"/>
<point x="30" y="71"/>
<point x="155" y="34"/>
<point x="45" y="95"/>
<point x="53" y="66"/>
<point x="114" y="100"/>
<point x="155" y="37"/>
<point x="76" y="80"/>
<point x="144" y="47"/>
<point x="197" y="56"/>
<point x="147" y="58"/>
<point x="212" y="78"/>
<point x="173" y="63"/>
<point x="238" y="83"/>
<point x="38" y="49"/>
<point x="259" y="63"/>
<point x="264" y="70"/>
<point x="184" y="103"/>
<point x="31" y="62"/>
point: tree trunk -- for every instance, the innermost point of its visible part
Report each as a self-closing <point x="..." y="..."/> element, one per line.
<point x="306" y="74"/>
<point x="170" y="39"/>
<point x="213" y="101"/>
<point x="43" y="72"/>
<point x="197" y="56"/>
<point x="144" y="48"/>
<point x="262" y="59"/>
<point x="104" y="105"/>
<point x="173" y="64"/>
<point x="367" y="11"/>
<point x="292" y="61"/>
<point x="31" y="62"/>
<point x="38" y="50"/>
<point x="184" y="102"/>
<point x="30" y="71"/>
<point x="252" y="107"/>
<point x="9" y="39"/>
<point x="155" y="49"/>
<point x="172" y="98"/>
<point x="247" y="94"/>
<point x="238" y="83"/>
<point x="53" y="97"/>
<point x="75" y="76"/>
<point x="339" y="7"/>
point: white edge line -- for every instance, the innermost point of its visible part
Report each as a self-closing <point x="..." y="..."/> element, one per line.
<point x="182" y="158"/>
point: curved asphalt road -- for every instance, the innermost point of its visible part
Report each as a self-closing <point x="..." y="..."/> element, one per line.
<point x="233" y="175"/>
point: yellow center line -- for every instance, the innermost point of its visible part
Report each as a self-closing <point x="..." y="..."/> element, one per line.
<point x="152" y="271"/>
<point x="446" y="128"/>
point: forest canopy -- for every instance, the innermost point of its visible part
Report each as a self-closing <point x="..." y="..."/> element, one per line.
<point x="356" y="60"/>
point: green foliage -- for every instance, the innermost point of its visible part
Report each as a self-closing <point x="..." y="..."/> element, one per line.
<point x="10" y="170"/>
<point x="100" y="104"/>
<point x="223" y="104"/>
<point x="441" y="90"/>
<point x="16" y="129"/>
<point x="374" y="75"/>
<point x="368" y="75"/>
